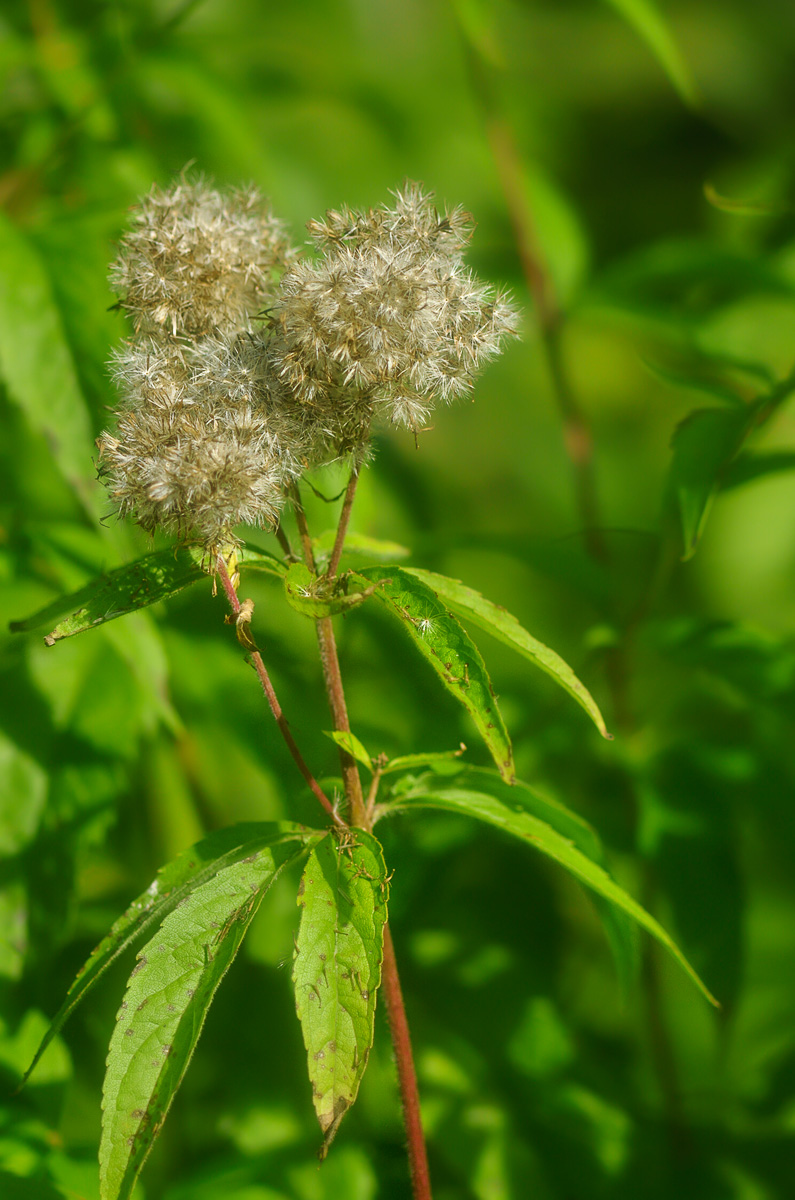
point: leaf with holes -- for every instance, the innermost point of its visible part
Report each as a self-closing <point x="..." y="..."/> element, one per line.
<point x="467" y="603"/>
<point x="337" y="969"/>
<point x="155" y="577"/>
<point x="448" y="648"/>
<point x="163" y="1011"/>
<point x="523" y="824"/>
<point x="173" y="884"/>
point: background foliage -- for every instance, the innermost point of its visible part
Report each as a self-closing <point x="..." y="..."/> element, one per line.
<point x="582" y="133"/>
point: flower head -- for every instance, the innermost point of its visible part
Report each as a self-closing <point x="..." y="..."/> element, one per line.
<point x="198" y="260"/>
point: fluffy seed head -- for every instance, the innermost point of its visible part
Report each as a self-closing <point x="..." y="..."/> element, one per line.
<point x="387" y="319"/>
<point x="198" y="260"/>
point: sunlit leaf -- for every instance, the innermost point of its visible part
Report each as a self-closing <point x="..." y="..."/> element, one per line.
<point x="337" y="969"/>
<point x="315" y="596"/>
<point x="468" y="603"/>
<point x="518" y="822"/>
<point x="174" y="882"/>
<point x="359" y="545"/>
<point x="443" y="761"/>
<point x="155" y="577"/>
<point x="351" y="744"/>
<point x="168" y="995"/>
<point x="453" y="655"/>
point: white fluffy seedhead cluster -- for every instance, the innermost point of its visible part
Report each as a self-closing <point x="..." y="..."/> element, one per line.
<point x="388" y="319"/>
<point x="224" y="404"/>
<point x="198" y="261"/>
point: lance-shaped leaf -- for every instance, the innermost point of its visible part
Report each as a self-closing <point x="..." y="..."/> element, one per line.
<point x="443" y="761"/>
<point x="703" y="446"/>
<point x="448" y="648"/>
<point x="173" y="883"/>
<point x="337" y="968"/>
<point x="163" y="1012"/>
<point x="649" y="23"/>
<point x="520" y="823"/>
<point x="349" y="742"/>
<point x="155" y="577"/>
<point x="468" y="603"/>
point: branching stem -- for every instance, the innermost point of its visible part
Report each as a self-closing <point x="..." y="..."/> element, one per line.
<point x="239" y="611"/>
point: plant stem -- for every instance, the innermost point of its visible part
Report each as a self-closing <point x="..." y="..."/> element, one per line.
<point x="342" y="527"/>
<point x="407" y="1076"/>
<point x="259" y="666"/>
<point x="332" y="676"/>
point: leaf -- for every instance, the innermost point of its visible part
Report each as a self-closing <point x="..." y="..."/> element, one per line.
<point x="173" y="883"/>
<point x="522" y="824"/>
<point x="743" y="208"/>
<point x="359" y="544"/>
<point x="337" y="968"/>
<point x="703" y="446"/>
<point x="168" y="995"/>
<point x="443" y="761"/>
<point x="155" y="577"/>
<point x="315" y="596"/>
<point x="37" y="366"/>
<point x="468" y="603"/>
<point x="650" y="25"/>
<point x="352" y="744"/>
<point x="748" y="467"/>
<point x="450" y="651"/>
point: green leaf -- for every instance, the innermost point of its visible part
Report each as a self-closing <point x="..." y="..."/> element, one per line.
<point x="748" y="467"/>
<point x="168" y="995"/>
<point x="520" y="823"/>
<point x="500" y="624"/>
<point x="361" y="545"/>
<point x="315" y="596"/>
<point x="649" y="24"/>
<point x="443" y="761"/>
<point x="155" y="577"/>
<point x="37" y="366"/>
<point x="173" y="883"/>
<point x="451" y="652"/>
<point x="703" y="446"/>
<point x="743" y="208"/>
<point x="352" y="744"/>
<point x="337" y="968"/>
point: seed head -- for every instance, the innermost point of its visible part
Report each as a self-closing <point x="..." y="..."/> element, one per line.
<point x="198" y="260"/>
<point x="387" y="319"/>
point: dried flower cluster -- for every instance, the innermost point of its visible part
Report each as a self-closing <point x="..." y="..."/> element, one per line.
<point x="236" y="381"/>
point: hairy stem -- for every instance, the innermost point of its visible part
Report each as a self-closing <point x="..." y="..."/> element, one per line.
<point x="407" y="1076"/>
<point x="242" y="616"/>
<point x="332" y="677"/>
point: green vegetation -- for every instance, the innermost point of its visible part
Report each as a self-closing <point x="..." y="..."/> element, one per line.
<point x="617" y="504"/>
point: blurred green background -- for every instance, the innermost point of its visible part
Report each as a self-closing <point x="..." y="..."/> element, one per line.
<point x="582" y="135"/>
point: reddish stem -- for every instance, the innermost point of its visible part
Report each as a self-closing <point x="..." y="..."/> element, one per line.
<point x="407" y="1076"/>
<point x="270" y="695"/>
<point x="342" y="527"/>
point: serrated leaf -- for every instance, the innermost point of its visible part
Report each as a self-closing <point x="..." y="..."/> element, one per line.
<point x="703" y="446"/>
<point x="351" y="743"/>
<point x="520" y="823"/>
<point x="337" y="969"/>
<point x="650" y="25"/>
<point x="155" y="577"/>
<point x="173" y="883"/>
<point x="161" y="1018"/>
<point x="443" y="643"/>
<point x="359" y="544"/>
<point x="468" y="603"/>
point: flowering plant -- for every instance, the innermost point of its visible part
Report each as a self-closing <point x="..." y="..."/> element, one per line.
<point x="249" y="365"/>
